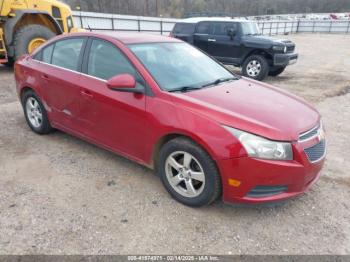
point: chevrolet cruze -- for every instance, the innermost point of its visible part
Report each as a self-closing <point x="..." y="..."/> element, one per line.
<point x="163" y="103"/>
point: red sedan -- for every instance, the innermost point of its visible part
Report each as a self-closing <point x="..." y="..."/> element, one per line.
<point x="165" y="104"/>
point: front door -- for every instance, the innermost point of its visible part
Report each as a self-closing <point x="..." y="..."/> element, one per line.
<point x="222" y="46"/>
<point x="117" y="120"/>
<point x="202" y="36"/>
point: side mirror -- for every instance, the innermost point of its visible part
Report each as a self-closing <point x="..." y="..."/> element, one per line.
<point x="231" y="33"/>
<point x="124" y="83"/>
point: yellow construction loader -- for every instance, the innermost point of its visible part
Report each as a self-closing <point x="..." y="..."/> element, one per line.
<point x="26" y="24"/>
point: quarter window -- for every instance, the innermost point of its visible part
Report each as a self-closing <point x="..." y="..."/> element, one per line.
<point x="47" y="54"/>
<point x="106" y="61"/>
<point x="67" y="52"/>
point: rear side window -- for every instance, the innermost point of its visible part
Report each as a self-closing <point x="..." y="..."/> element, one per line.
<point x="184" y="28"/>
<point x="106" y="61"/>
<point x="204" y="28"/>
<point x="67" y="52"/>
<point x="223" y="28"/>
<point x="47" y="54"/>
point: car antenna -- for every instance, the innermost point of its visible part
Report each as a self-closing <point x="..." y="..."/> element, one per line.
<point x="89" y="28"/>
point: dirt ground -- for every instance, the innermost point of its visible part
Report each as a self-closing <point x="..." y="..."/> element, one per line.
<point x="61" y="195"/>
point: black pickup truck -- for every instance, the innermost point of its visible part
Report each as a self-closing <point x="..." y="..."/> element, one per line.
<point x="238" y="43"/>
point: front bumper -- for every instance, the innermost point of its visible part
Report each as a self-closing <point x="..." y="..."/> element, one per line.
<point x="285" y="59"/>
<point x="295" y="177"/>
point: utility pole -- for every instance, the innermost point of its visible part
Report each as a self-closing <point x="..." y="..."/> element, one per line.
<point x="157" y="10"/>
<point x="99" y="6"/>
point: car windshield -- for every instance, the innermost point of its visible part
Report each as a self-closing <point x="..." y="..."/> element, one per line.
<point x="179" y="66"/>
<point x="250" y="28"/>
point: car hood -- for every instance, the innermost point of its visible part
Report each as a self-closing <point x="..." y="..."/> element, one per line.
<point x="254" y="107"/>
<point x="265" y="40"/>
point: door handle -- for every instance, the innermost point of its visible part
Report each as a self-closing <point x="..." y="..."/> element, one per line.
<point x="211" y="40"/>
<point x="87" y="93"/>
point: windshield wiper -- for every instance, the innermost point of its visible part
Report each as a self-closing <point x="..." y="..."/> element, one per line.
<point x="185" y="89"/>
<point x="219" y="81"/>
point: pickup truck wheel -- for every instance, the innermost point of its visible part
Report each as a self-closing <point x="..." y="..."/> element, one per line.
<point x="277" y="71"/>
<point x="255" y="67"/>
<point x="188" y="173"/>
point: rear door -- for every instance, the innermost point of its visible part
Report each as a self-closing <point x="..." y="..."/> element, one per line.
<point x="60" y="74"/>
<point x="202" y="36"/>
<point x="221" y="46"/>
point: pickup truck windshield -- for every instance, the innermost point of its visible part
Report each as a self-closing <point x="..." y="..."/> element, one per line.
<point x="250" y="28"/>
<point x="179" y="66"/>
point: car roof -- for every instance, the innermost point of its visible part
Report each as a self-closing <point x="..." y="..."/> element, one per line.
<point x="194" y="20"/>
<point x="130" y="38"/>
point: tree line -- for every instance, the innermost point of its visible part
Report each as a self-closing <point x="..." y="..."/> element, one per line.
<point x="182" y="8"/>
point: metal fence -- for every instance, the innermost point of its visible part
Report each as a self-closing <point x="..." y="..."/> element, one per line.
<point x="304" y="26"/>
<point x="111" y="22"/>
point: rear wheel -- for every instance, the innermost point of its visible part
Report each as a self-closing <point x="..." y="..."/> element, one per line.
<point x="277" y="71"/>
<point x="188" y="173"/>
<point x="30" y="37"/>
<point x="35" y="113"/>
<point x="255" y="67"/>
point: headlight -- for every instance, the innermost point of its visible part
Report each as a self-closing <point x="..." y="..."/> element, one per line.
<point x="259" y="147"/>
<point x="279" y="48"/>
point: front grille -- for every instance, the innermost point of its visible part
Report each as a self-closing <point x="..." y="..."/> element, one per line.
<point x="309" y="134"/>
<point x="316" y="152"/>
<point x="266" y="191"/>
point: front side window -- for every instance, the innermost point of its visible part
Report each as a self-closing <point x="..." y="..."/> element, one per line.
<point x="67" y="52"/>
<point x="204" y="28"/>
<point x="106" y="61"/>
<point x="222" y="29"/>
<point x="178" y="65"/>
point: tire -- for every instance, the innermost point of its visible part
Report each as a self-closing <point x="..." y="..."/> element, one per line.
<point x="277" y="71"/>
<point x="255" y="67"/>
<point x="26" y="34"/>
<point x="34" y="112"/>
<point x="201" y="167"/>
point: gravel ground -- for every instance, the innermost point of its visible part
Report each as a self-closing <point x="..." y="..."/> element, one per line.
<point x="61" y="195"/>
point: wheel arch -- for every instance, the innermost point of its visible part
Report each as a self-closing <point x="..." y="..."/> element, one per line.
<point x="171" y="136"/>
<point x="261" y="52"/>
<point x="24" y="90"/>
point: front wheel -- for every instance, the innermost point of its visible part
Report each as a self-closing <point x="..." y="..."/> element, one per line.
<point x="277" y="71"/>
<point x="188" y="173"/>
<point x="255" y="67"/>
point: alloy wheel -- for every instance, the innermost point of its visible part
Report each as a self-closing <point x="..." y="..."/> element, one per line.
<point x="34" y="112"/>
<point x="185" y="174"/>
